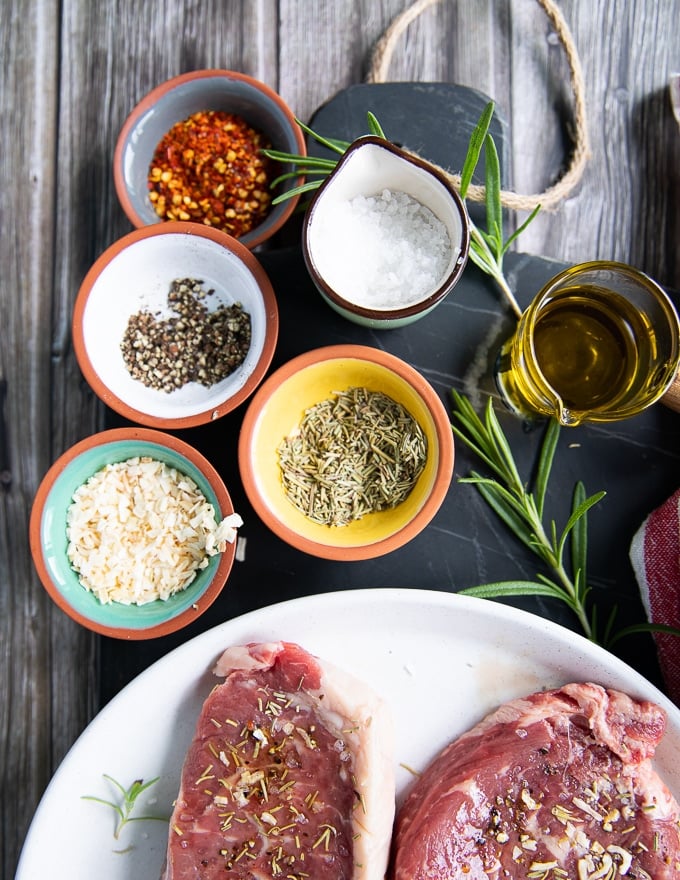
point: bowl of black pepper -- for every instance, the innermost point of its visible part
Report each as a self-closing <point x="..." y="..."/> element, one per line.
<point x="192" y="150"/>
<point x="175" y="325"/>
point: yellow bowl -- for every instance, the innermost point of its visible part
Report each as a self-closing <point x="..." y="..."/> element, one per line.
<point x="278" y="408"/>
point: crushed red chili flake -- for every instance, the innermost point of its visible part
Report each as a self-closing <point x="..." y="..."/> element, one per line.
<point x="209" y="168"/>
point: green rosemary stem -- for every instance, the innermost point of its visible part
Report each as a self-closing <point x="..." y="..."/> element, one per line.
<point x="481" y="255"/>
<point x="556" y="564"/>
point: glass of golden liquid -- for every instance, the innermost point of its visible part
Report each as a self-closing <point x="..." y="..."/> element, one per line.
<point x="599" y="343"/>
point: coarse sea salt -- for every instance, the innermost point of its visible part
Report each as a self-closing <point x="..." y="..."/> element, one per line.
<point x="384" y="251"/>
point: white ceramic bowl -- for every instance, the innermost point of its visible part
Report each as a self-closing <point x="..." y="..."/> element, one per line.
<point x="338" y="263"/>
<point x="174" y="101"/>
<point x="135" y="273"/>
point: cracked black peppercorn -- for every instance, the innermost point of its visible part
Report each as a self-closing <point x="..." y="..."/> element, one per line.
<point x="192" y="345"/>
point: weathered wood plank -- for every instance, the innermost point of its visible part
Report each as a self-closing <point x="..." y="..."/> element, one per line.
<point x="29" y="35"/>
<point x="628" y="198"/>
<point x="60" y="213"/>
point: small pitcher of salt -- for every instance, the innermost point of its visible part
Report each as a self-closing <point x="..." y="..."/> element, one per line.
<point x="385" y="237"/>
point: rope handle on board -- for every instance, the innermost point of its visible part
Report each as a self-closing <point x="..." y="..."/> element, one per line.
<point x="548" y="200"/>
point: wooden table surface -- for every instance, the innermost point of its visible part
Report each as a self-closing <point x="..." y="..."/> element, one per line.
<point x="71" y="73"/>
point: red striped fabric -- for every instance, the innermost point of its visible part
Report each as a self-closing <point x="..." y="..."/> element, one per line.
<point x="655" y="556"/>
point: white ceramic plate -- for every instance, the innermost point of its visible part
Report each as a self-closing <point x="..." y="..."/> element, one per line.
<point x="441" y="660"/>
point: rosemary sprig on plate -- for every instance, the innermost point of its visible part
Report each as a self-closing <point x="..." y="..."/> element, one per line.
<point x="487" y="248"/>
<point x="128" y="800"/>
<point x="523" y="513"/>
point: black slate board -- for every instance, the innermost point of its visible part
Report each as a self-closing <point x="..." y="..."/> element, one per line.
<point x="637" y="461"/>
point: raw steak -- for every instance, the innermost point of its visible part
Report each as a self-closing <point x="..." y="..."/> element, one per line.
<point x="554" y="786"/>
<point x="290" y="774"/>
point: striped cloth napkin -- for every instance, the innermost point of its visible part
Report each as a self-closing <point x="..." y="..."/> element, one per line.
<point x="655" y="556"/>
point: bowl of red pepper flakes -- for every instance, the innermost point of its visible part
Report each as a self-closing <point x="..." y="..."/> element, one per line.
<point x="191" y="151"/>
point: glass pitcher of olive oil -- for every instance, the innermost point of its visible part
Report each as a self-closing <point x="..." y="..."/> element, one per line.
<point x="599" y="343"/>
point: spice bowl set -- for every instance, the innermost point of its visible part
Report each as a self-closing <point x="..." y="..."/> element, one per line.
<point x="176" y="324"/>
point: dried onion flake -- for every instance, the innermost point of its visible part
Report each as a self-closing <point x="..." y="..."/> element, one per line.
<point x="139" y="530"/>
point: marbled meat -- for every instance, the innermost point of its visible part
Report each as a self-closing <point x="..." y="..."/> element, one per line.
<point x="556" y="786"/>
<point x="290" y="774"/>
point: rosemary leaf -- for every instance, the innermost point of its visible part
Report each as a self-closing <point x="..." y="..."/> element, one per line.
<point x="494" y="211"/>
<point x="374" y="126"/>
<point x="572" y="601"/>
<point x="296" y="190"/>
<point x="609" y="626"/>
<point x="97" y="800"/>
<point x="520" y="229"/>
<point x="501" y="447"/>
<point x="129" y="799"/>
<point x="504" y="505"/>
<point x="480" y="257"/>
<point x="479" y="452"/>
<point x="579" y="537"/>
<point x="506" y="589"/>
<point x="327" y="164"/>
<point x="578" y="514"/>
<point x="337" y="146"/>
<point x="290" y="175"/>
<point x="582" y="589"/>
<point x="642" y="628"/>
<point x="476" y="432"/>
<point x="548" y="447"/>
<point x="475" y="146"/>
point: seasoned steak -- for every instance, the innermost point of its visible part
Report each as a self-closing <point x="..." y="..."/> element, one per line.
<point x="290" y="774"/>
<point x="556" y="786"/>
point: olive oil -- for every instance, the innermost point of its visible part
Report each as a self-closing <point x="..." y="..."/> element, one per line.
<point x="590" y="344"/>
<point x="600" y="342"/>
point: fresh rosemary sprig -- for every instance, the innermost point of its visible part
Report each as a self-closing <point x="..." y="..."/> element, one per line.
<point x="129" y="798"/>
<point x="313" y="165"/>
<point x="487" y="248"/>
<point x="523" y="513"/>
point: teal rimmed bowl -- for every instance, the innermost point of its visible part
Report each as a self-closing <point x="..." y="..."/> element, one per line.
<point x="49" y="543"/>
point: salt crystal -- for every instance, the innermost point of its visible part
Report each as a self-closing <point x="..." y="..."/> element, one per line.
<point x="382" y="252"/>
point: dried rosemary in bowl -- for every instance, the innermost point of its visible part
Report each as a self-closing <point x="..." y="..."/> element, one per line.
<point x="354" y="453"/>
<point x="194" y="344"/>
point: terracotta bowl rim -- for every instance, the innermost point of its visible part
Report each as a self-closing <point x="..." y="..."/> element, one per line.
<point x="98" y="384"/>
<point x="113" y="435"/>
<point x="443" y="431"/>
<point x="285" y="209"/>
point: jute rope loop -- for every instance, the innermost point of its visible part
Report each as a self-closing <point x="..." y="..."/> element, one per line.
<point x="548" y="200"/>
